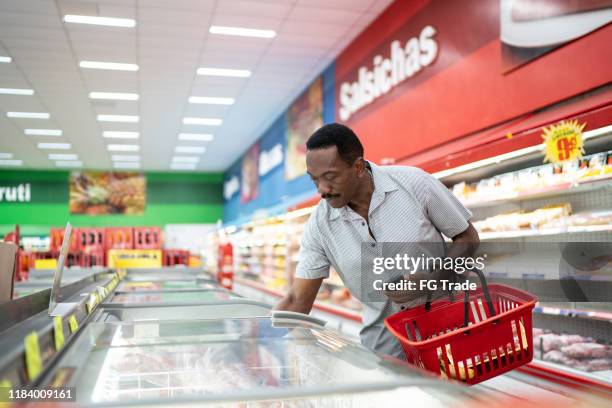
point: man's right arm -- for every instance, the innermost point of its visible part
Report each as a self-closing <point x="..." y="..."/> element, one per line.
<point x="301" y="296"/>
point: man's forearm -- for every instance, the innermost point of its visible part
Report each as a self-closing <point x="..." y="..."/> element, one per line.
<point x="464" y="244"/>
<point x="290" y="303"/>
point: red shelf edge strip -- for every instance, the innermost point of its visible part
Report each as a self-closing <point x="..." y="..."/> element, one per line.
<point x="565" y="378"/>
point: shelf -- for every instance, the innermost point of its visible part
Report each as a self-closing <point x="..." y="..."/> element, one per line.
<point x="579" y="313"/>
<point x="543" y="232"/>
<point x="590" y="375"/>
<point x="550" y="191"/>
<point x="598" y="329"/>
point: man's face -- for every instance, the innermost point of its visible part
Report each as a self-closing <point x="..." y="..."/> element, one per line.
<point x="336" y="181"/>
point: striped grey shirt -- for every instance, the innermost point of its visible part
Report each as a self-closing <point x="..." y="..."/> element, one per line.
<point x="408" y="205"/>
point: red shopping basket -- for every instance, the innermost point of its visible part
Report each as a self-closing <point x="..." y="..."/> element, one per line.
<point x="485" y="335"/>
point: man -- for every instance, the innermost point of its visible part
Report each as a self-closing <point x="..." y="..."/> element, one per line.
<point x="362" y="206"/>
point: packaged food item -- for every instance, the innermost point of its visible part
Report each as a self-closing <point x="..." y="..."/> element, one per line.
<point x="594" y="166"/>
<point x="551" y="341"/>
<point x="602" y="364"/>
<point x="460" y="190"/>
<point x="587" y="350"/>
<point x="527" y="179"/>
<point x="591" y="218"/>
<point x="556" y="356"/>
<point x="540" y="218"/>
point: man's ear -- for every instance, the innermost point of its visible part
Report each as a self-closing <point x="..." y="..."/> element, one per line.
<point x="360" y="167"/>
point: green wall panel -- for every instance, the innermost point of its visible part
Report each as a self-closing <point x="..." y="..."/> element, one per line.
<point x="171" y="199"/>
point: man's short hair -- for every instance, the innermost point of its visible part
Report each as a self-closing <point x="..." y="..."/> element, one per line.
<point x="335" y="134"/>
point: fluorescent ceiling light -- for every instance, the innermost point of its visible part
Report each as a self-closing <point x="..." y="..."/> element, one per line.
<point x="190" y="149"/>
<point x="108" y="65"/>
<point x="122" y="148"/>
<point x="198" y="137"/>
<point x="243" y="32"/>
<point x="116" y="96"/>
<point x="11" y="162"/>
<point x="242" y="73"/>
<point x="63" y="156"/>
<point x="118" y="118"/>
<point x="43" y="132"/>
<point x="5" y="60"/>
<point x="202" y="121"/>
<point x="185" y="159"/>
<point x="104" y="21"/>
<point x="55" y="146"/>
<point x="16" y="91"/>
<point x="211" y="100"/>
<point x="183" y="166"/>
<point x="125" y="158"/>
<point x="69" y="163"/>
<point x="120" y="135"/>
<point x="126" y="165"/>
<point x="28" y="115"/>
<point x="6" y="155"/>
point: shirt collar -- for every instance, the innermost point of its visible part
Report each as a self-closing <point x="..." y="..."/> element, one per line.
<point x="382" y="184"/>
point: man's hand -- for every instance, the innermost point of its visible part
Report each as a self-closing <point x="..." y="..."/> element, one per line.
<point x="301" y="296"/>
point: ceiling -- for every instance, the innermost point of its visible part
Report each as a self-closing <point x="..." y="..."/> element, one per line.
<point x="170" y="41"/>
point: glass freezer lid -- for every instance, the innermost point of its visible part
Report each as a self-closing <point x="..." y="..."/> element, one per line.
<point x="119" y="362"/>
<point x="174" y="297"/>
<point x="142" y="286"/>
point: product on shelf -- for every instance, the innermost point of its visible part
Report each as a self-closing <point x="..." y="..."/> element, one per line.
<point x="590" y="218"/>
<point x="587" y="350"/>
<point x="525" y="220"/>
<point x="261" y="252"/>
<point x="574" y="351"/>
<point x="552" y="341"/>
<point x="532" y="180"/>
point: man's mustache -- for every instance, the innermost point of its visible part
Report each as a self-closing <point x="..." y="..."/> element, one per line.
<point x="327" y="196"/>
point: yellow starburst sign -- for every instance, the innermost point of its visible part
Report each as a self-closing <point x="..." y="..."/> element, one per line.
<point x="563" y="141"/>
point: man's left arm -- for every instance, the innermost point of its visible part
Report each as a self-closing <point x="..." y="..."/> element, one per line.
<point x="465" y="243"/>
<point x="452" y="219"/>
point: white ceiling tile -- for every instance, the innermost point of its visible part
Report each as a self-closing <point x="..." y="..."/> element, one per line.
<point x="119" y="11"/>
<point x="318" y="29"/>
<point x="256" y="20"/>
<point x="254" y="8"/>
<point x="170" y="41"/>
<point x="355" y="5"/>
<point x="190" y="5"/>
<point x="330" y="16"/>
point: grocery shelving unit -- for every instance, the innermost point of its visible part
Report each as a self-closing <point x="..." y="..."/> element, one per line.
<point x="585" y="189"/>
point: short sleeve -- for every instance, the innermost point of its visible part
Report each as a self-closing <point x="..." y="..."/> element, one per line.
<point x="445" y="211"/>
<point x="312" y="260"/>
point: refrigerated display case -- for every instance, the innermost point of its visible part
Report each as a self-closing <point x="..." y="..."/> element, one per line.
<point x="174" y="285"/>
<point x="165" y="297"/>
<point x="221" y="353"/>
<point x="195" y="297"/>
<point x="235" y="308"/>
<point x="269" y="359"/>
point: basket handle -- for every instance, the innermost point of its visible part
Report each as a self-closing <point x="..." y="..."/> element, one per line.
<point x="466" y="313"/>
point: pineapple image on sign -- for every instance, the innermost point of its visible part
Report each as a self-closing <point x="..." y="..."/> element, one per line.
<point x="95" y="193"/>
